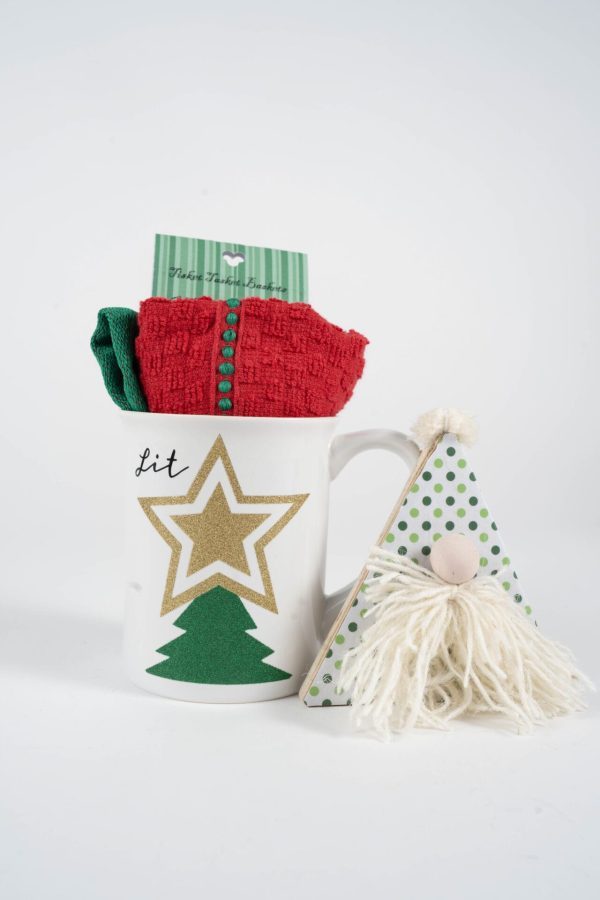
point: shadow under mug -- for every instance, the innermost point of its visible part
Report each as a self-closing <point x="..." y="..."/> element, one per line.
<point x="226" y="522"/>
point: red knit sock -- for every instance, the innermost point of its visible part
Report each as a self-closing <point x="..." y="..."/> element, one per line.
<point x="248" y="357"/>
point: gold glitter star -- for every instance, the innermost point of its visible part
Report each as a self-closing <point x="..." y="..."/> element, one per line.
<point x="210" y="536"/>
<point x="217" y="533"/>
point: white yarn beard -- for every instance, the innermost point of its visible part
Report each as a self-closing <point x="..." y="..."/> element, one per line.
<point x="436" y="651"/>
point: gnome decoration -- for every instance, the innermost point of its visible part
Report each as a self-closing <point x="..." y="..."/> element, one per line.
<point x="436" y="626"/>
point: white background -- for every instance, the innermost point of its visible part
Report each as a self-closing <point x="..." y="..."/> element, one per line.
<point x="438" y="163"/>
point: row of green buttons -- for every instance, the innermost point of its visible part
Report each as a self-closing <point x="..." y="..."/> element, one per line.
<point x="228" y="368"/>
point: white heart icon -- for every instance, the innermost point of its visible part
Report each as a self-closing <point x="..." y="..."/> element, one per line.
<point x="233" y="259"/>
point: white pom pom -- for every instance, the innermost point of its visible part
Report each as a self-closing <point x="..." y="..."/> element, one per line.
<point x="436" y="422"/>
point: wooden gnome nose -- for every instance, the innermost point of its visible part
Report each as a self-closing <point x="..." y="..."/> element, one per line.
<point x="455" y="558"/>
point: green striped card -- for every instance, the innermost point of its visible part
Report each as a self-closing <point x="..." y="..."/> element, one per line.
<point x="187" y="267"/>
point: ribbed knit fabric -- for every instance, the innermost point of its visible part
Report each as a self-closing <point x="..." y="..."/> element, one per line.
<point x="248" y="357"/>
<point x="113" y="346"/>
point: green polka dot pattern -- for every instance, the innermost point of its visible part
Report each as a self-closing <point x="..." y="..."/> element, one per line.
<point x="446" y="494"/>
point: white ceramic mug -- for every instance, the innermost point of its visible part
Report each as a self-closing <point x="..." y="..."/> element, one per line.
<point x="227" y="529"/>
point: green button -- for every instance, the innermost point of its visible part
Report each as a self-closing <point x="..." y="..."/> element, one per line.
<point x="225" y="403"/>
<point x="232" y="303"/>
<point x="229" y="335"/>
<point x="227" y="368"/>
<point x="227" y="351"/>
<point x="231" y="318"/>
<point x="224" y="386"/>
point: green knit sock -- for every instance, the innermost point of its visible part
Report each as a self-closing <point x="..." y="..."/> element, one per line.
<point x="113" y="345"/>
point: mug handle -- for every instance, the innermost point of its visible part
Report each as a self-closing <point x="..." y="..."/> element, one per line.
<point x="342" y="449"/>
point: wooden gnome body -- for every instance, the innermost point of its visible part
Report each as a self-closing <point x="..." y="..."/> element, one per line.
<point x="436" y="626"/>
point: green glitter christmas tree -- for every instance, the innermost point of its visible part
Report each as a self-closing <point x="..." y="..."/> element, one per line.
<point x="215" y="647"/>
